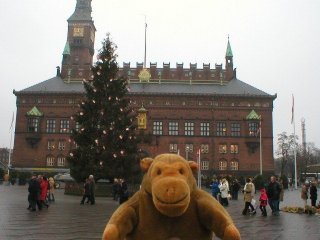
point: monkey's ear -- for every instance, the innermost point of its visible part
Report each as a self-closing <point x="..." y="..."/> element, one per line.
<point x="145" y="164"/>
<point x="194" y="166"/>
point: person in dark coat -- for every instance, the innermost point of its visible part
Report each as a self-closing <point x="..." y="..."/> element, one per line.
<point x="313" y="193"/>
<point x="273" y="193"/>
<point x="34" y="193"/>
<point x="235" y="187"/>
<point x="123" y="194"/>
<point x="86" y="192"/>
<point x="92" y="188"/>
<point x="115" y="189"/>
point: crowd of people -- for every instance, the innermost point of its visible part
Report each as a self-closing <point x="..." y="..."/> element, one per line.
<point x="271" y="194"/>
<point x="41" y="192"/>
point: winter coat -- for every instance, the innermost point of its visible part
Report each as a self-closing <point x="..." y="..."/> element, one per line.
<point x="215" y="188"/>
<point x="51" y="184"/>
<point x="313" y="192"/>
<point x="224" y="189"/>
<point x="273" y="191"/>
<point x="34" y="188"/>
<point x="304" y="192"/>
<point x="44" y="188"/>
<point x="281" y="192"/>
<point x="247" y="195"/>
<point x="263" y="198"/>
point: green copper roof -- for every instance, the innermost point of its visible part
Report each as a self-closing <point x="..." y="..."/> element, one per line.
<point x="35" y="112"/>
<point x="82" y="12"/>
<point x="229" y="51"/>
<point x="253" y="116"/>
<point x="66" y="50"/>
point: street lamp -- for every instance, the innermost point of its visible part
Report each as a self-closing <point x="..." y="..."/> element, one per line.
<point x="187" y="151"/>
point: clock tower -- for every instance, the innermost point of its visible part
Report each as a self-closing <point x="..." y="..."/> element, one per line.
<point x="79" y="49"/>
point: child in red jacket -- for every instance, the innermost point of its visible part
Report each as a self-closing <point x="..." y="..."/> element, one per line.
<point x="263" y="201"/>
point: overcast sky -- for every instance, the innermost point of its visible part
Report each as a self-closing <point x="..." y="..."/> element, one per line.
<point x="275" y="43"/>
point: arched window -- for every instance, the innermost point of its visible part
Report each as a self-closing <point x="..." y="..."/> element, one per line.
<point x="50" y="161"/>
<point x="234" y="165"/>
<point x="223" y="164"/>
<point x="61" y="161"/>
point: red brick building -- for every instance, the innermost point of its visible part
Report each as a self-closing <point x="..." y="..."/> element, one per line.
<point x="181" y="109"/>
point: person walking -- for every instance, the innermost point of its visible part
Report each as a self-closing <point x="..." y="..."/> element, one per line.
<point x="92" y="187"/>
<point x="86" y="192"/>
<point x="215" y="188"/>
<point x="51" y="190"/>
<point x="247" y="196"/>
<point x="34" y="192"/>
<point x="115" y="189"/>
<point x="235" y="187"/>
<point x="313" y="193"/>
<point x="44" y="189"/>
<point x="273" y="193"/>
<point x="263" y="201"/>
<point x="304" y="193"/>
<point x="123" y="194"/>
<point x="224" y="190"/>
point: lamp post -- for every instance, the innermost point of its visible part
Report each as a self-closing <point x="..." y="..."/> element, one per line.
<point x="187" y="152"/>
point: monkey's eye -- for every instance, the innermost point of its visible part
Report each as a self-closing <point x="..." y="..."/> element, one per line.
<point x="159" y="171"/>
<point x="181" y="171"/>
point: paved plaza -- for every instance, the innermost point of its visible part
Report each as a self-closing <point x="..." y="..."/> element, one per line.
<point x="67" y="219"/>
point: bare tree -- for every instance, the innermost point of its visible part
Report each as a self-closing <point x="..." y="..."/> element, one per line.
<point x="285" y="151"/>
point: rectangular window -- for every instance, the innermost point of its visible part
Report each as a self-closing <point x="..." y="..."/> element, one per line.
<point x="64" y="126"/>
<point x="234" y="148"/>
<point x="221" y="129"/>
<point x="189" y="128"/>
<point x="157" y="128"/>
<point x="77" y="126"/>
<point x="204" y="165"/>
<point x="204" y="148"/>
<point x="173" y="128"/>
<point x="253" y="129"/>
<point x="189" y="148"/>
<point x="50" y="144"/>
<point x="223" y="148"/>
<point x="33" y="125"/>
<point x="61" y="161"/>
<point x="235" y="129"/>
<point x="173" y="147"/>
<point x="204" y="129"/>
<point x="50" y="161"/>
<point x="62" y="145"/>
<point x="223" y="165"/>
<point x="51" y="126"/>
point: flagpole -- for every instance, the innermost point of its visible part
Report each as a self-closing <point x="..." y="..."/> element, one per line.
<point x="294" y="148"/>
<point x="145" y="41"/>
<point x="199" y="170"/>
<point x="11" y="128"/>
<point x="260" y="147"/>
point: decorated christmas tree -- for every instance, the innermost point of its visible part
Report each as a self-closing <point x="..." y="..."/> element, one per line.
<point x="105" y="133"/>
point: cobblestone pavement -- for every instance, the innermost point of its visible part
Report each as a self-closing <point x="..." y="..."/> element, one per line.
<point x="67" y="219"/>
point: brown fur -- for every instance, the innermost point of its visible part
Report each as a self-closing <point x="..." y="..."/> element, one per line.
<point x="170" y="206"/>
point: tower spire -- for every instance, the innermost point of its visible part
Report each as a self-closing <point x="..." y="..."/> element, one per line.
<point x="229" y="62"/>
<point x="82" y="11"/>
<point x="229" y="51"/>
<point x="79" y="48"/>
<point x="145" y="42"/>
